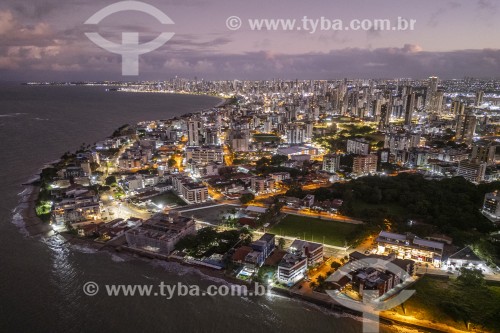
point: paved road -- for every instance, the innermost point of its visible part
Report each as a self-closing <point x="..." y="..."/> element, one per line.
<point x="323" y="216"/>
<point x="436" y="271"/>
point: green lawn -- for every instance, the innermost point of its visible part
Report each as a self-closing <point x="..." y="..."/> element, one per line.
<point x="266" y="138"/>
<point x="168" y="198"/>
<point x="444" y="301"/>
<point x="314" y="229"/>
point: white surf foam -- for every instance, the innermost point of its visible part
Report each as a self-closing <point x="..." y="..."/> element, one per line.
<point x="83" y="248"/>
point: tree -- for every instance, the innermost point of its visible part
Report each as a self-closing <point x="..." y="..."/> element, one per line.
<point x="110" y="180"/>
<point x="281" y="243"/>
<point x="471" y="277"/>
<point x="206" y="236"/>
<point x="295" y="191"/>
<point x="264" y="161"/>
<point x="171" y="162"/>
<point x="335" y="265"/>
<point x="278" y="159"/>
<point x="246" y="198"/>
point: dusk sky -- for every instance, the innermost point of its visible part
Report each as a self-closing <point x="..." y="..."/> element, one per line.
<point x="45" y="40"/>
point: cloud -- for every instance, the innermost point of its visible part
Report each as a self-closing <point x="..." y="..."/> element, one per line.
<point x="406" y="61"/>
<point x="7" y="22"/>
<point x="41" y="48"/>
<point x="487" y="5"/>
<point x="438" y="14"/>
<point x="412" y="48"/>
<point x="12" y="31"/>
<point x="190" y="42"/>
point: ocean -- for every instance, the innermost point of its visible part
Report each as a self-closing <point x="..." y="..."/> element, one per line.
<point x="41" y="278"/>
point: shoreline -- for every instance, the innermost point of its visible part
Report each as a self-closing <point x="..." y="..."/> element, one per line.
<point x="223" y="100"/>
<point x="34" y="226"/>
<point x="218" y="276"/>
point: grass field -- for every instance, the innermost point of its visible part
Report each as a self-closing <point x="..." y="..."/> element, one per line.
<point x="211" y="215"/>
<point x="314" y="229"/>
<point x="168" y="198"/>
<point x="443" y="301"/>
<point x="266" y="138"/>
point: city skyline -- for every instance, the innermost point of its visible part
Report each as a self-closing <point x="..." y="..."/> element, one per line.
<point x="46" y="41"/>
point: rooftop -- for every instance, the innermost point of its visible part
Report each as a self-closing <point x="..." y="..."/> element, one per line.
<point x="301" y="244"/>
<point x="289" y="260"/>
<point x="408" y="240"/>
<point x="465" y="254"/>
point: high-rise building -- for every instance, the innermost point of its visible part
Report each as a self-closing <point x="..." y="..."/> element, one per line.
<point x="491" y="204"/>
<point x="296" y="134"/>
<point x="466" y="127"/>
<point x="410" y="106"/>
<point x="364" y="164"/>
<point x="193" y="132"/>
<point x="437" y="102"/>
<point x="458" y="108"/>
<point x="358" y="146"/>
<point x="431" y="91"/>
<point x="479" y="97"/>
<point x="385" y="116"/>
<point x="331" y="163"/>
<point x="240" y="142"/>
<point x="211" y="136"/>
<point x="309" y="131"/>
<point x="484" y="151"/>
<point x="433" y="83"/>
<point x="262" y="184"/>
<point x="471" y="170"/>
<point x="205" y="154"/>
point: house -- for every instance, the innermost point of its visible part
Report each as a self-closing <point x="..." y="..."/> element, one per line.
<point x="261" y="185"/>
<point x="308" y="201"/>
<point x="265" y="244"/>
<point x="254" y="259"/>
<point x="240" y="254"/>
<point x="291" y="269"/>
<point x="293" y="265"/>
<point x="262" y="248"/>
<point x="465" y="257"/>
<point x="280" y="176"/>
<point x="312" y="251"/>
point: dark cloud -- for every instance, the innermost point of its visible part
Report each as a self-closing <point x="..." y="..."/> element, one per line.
<point x="36" y="45"/>
<point x="190" y="41"/>
<point x="407" y="61"/>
